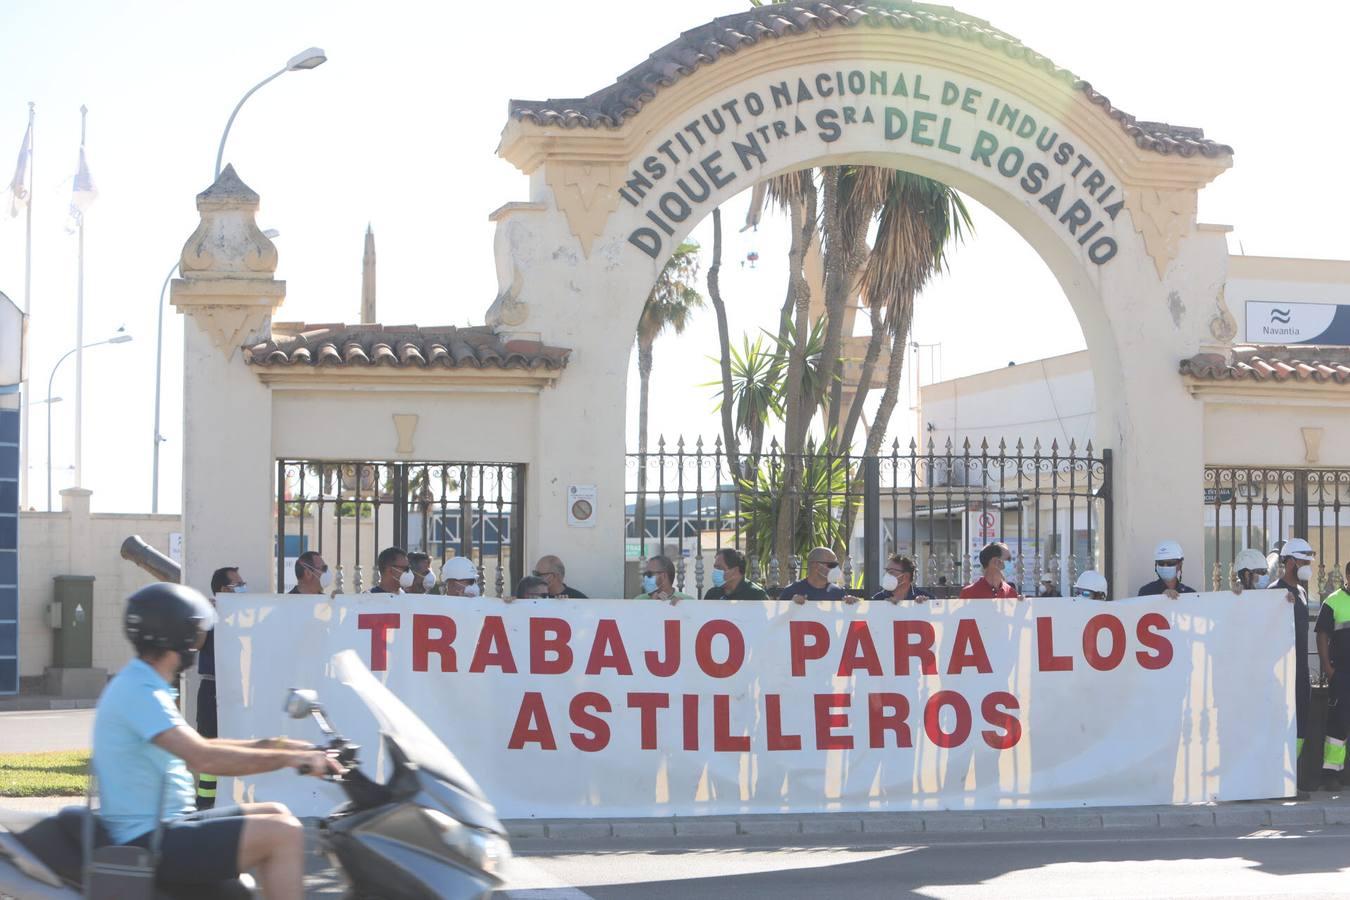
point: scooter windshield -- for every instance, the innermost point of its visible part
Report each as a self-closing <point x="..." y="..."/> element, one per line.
<point x="418" y="742"/>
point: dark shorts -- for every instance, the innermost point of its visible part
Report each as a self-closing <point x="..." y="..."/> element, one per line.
<point x="199" y="848"/>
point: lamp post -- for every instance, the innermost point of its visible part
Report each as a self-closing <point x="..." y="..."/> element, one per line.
<point x="270" y="233"/>
<point x="305" y="59"/>
<point x="119" y="338"/>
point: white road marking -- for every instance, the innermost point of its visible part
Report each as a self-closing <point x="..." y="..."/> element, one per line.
<point x="527" y="881"/>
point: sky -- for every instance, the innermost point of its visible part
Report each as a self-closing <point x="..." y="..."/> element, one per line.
<point x="398" y="129"/>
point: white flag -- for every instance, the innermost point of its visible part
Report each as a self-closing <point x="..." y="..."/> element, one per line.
<point x="18" y="186"/>
<point x="83" y="194"/>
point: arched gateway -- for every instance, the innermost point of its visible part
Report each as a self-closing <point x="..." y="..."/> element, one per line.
<point x="618" y="178"/>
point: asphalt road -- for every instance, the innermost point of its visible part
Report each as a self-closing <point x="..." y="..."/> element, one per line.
<point x="29" y="732"/>
<point x="1310" y="862"/>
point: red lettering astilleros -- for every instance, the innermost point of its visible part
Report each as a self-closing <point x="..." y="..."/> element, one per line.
<point x="838" y="721"/>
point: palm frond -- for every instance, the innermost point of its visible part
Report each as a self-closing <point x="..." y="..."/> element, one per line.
<point x="674" y="297"/>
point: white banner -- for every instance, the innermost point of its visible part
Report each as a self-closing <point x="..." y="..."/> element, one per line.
<point x="564" y="708"/>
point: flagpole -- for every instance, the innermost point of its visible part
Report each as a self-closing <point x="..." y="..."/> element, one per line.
<point x="79" y="331"/>
<point x="27" y="299"/>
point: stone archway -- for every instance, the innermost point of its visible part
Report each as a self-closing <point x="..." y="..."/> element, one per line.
<point x="618" y="178"/>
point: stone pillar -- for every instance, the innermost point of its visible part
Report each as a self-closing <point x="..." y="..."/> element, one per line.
<point x="227" y="295"/>
<point x="79" y="546"/>
<point x="580" y="438"/>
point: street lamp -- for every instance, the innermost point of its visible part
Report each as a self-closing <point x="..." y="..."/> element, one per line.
<point x="120" y="338"/>
<point x="270" y="233"/>
<point x="305" y="59"/>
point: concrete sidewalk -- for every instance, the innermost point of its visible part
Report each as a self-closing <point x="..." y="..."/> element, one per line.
<point x="1323" y="809"/>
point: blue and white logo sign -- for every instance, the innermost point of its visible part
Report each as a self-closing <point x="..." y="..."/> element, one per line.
<point x="1327" y="324"/>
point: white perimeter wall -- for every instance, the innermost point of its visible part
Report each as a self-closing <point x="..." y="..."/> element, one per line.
<point x="76" y="543"/>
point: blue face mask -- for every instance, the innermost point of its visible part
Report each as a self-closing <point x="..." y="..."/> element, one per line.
<point x="719" y="577"/>
<point x="649" y="584"/>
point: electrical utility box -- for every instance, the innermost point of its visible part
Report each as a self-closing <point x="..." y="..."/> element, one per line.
<point x="73" y="622"/>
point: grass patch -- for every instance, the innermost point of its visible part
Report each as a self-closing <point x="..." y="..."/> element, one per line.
<point x="63" y="773"/>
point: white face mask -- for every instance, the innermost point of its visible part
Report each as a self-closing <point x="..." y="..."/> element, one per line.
<point x="1166" y="573"/>
<point x="429" y="580"/>
<point x="1305" y="573"/>
<point x="889" y="582"/>
<point x="471" y="590"/>
<point x="835" y="575"/>
<point x="405" y="580"/>
<point x="326" y="579"/>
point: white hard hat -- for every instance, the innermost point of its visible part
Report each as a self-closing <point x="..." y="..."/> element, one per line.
<point x="1091" y="581"/>
<point x="1168" y="550"/>
<point x="458" y="568"/>
<point x="1298" y="548"/>
<point x="1251" y="560"/>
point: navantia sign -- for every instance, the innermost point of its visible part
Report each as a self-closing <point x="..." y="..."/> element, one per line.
<point x="567" y="708"/>
<point x="873" y="107"/>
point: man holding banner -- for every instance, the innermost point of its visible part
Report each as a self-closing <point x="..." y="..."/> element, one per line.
<point x="1295" y="570"/>
<point x="995" y="582"/>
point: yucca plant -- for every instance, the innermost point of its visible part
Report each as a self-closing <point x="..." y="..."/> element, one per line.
<point x="756" y="390"/>
<point x="824" y="481"/>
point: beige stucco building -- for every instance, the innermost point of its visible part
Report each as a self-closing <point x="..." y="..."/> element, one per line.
<point x="1269" y="417"/>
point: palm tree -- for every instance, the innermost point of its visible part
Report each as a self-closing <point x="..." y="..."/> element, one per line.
<point x="670" y="305"/>
<point x="919" y="218"/>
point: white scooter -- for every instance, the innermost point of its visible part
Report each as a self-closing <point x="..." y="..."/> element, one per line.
<point x="427" y="833"/>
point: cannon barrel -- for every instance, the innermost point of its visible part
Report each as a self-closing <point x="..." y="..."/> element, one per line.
<point x="136" y="550"/>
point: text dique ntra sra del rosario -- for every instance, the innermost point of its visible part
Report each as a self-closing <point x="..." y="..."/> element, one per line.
<point x="685" y="169"/>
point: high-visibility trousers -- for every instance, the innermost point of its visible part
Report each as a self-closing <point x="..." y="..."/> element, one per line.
<point x="1338" y="724"/>
<point x="206" y="727"/>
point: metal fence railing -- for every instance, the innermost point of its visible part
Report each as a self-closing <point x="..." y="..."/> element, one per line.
<point x="938" y="505"/>
<point x="1255" y="506"/>
<point x="350" y="510"/>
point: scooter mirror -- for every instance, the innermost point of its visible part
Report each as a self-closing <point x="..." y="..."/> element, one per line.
<point x="301" y="703"/>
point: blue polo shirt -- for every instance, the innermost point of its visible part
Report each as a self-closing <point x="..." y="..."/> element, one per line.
<point x="138" y="783"/>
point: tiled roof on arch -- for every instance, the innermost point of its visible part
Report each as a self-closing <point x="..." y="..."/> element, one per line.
<point x="1315" y="365"/>
<point x="403" y="346"/>
<point x="610" y="107"/>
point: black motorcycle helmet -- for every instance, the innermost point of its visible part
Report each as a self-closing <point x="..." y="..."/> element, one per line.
<point x="165" y="616"/>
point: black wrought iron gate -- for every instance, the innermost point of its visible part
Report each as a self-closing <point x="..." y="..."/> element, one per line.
<point x="349" y="511"/>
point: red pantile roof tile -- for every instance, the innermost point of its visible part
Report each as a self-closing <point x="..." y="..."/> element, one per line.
<point x="1319" y="365"/>
<point x="404" y="346"/>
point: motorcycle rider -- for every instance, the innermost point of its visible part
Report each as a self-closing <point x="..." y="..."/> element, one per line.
<point x="143" y="754"/>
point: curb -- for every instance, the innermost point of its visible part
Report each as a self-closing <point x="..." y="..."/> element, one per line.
<point x="1246" y="814"/>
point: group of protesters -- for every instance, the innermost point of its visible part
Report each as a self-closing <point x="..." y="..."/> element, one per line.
<point x="1287" y="567"/>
